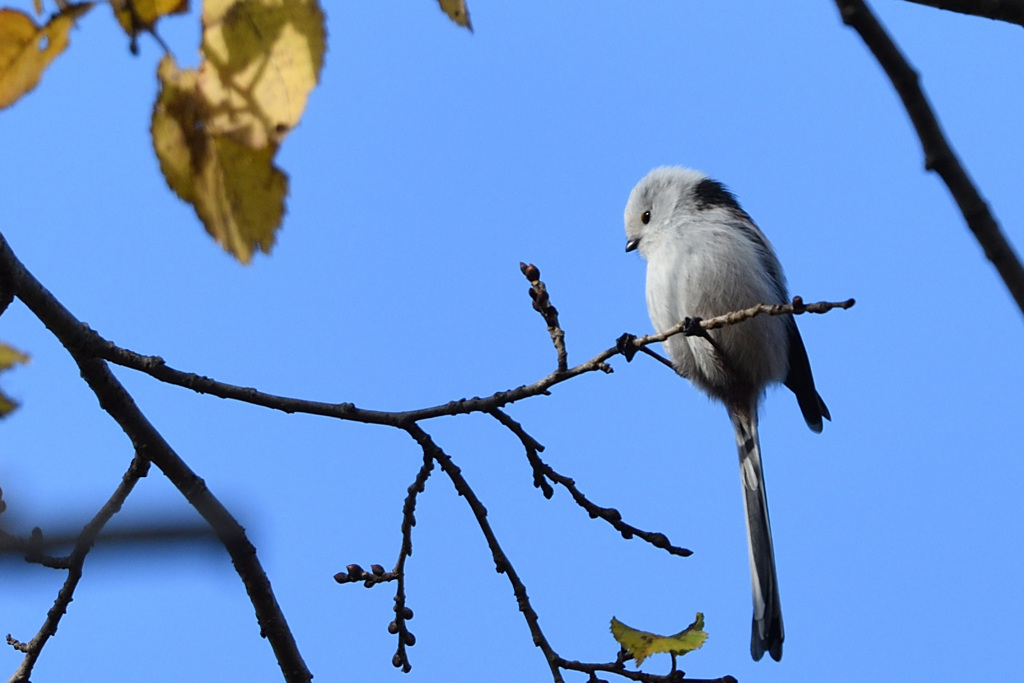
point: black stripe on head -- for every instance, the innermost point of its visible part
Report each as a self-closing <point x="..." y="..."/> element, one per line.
<point x="710" y="193"/>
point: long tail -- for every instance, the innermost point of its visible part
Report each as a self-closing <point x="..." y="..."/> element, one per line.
<point x="766" y="632"/>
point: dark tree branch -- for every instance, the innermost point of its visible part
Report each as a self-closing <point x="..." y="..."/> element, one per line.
<point x="501" y="561"/>
<point x="74" y="563"/>
<point x="542" y="471"/>
<point x="158" y="369"/>
<point x="133" y="536"/>
<point x="542" y="304"/>
<point x="355" y="573"/>
<point x="619" y="669"/>
<point x="91" y="352"/>
<point x="402" y="611"/>
<point x="151" y="446"/>
<point x="938" y="155"/>
<point x="1011" y="11"/>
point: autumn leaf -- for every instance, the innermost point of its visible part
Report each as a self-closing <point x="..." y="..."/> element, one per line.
<point x="134" y="15"/>
<point x="27" y="49"/>
<point x="216" y="130"/>
<point x="262" y="59"/>
<point x="9" y="357"/>
<point x="641" y="644"/>
<point x="457" y="12"/>
<point x="236" y="191"/>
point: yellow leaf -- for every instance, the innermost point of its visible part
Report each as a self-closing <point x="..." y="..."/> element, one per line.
<point x="236" y="190"/>
<point x="134" y="15"/>
<point x="262" y="58"/>
<point x="457" y="12"/>
<point x="642" y="644"/>
<point x="9" y="357"/>
<point x="26" y="49"/>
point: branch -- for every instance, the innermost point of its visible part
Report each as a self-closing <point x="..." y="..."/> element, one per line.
<point x="938" y="155"/>
<point x="542" y="304"/>
<point x="151" y="446"/>
<point x="32" y="649"/>
<point x="501" y="561"/>
<point x="90" y="352"/>
<point x="619" y="669"/>
<point x="157" y="368"/>
<point x="377" y="574"/>
<point x="543" y="471"/>
<point x="1011" y="11"/>
<point x="37" y="545"/>
<point x="628" y="345"/>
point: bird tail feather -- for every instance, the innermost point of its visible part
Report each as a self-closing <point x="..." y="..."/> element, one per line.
<point x="766" y="632"/>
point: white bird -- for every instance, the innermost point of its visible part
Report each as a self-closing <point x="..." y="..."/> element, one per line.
<point x="706" y="257"/>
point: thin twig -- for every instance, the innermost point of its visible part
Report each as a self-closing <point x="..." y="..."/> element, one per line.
<point x="501" y="561"/>
<point x="543" y="471"/>
<point x="1011" y="11"/>
<point x="686" y="326"/>
<point x="158" y="369"/>
<point x="402" y="611"/>
<point x="938" y="155"/>
<point x="542" y="304"/>
<point x="150" y="445"/>
<point x="619" y="669"/>
<point x="75" y="561"/>
<point x="186" y="533"/>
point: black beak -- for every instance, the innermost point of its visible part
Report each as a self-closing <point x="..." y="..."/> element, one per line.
<point x="631" y="245"/>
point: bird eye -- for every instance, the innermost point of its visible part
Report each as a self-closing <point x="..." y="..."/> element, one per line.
<point x="645" y="217"/>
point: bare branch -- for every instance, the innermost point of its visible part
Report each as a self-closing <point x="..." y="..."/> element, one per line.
<point x="619" y="669"/>
<point x="938" y="155"/>
<point x="131" y="536"/>
<point x="32" y="649"/>
<point x="402" y="611"/>
<point x="1011" y="11"/>
<point x="158" y="368"/>
<point x="501" y="561"/>
<point x="698" y="327"/>
<point x="542" y="304"/>
<point x="542" y="471"/>
<point x="150" y="445"/>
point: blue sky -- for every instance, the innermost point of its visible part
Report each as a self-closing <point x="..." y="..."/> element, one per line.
<point x="429" y="163"/>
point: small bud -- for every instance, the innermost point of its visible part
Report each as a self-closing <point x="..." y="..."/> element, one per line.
<point x="355" y="571"/>
<point x="398" y="660"/>
<point x="612" y="515"/>
<point x="393" y="627"/>
<point x="659" y="540"/>
<point x="406" y="613"/>
<point x="341" y="577"/>
<point x="410" y="639"/>
<point x="377" y="570"/>
<point x="531" y="271"/>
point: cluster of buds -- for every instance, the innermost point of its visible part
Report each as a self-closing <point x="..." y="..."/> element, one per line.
<point x="539" y="294"/>
<point x="354" y="573"/>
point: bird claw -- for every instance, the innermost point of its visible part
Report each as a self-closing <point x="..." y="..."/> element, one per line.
<point x="692" y="327"/>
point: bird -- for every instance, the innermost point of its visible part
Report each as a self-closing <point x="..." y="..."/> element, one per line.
<point x="705" y="257"/>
